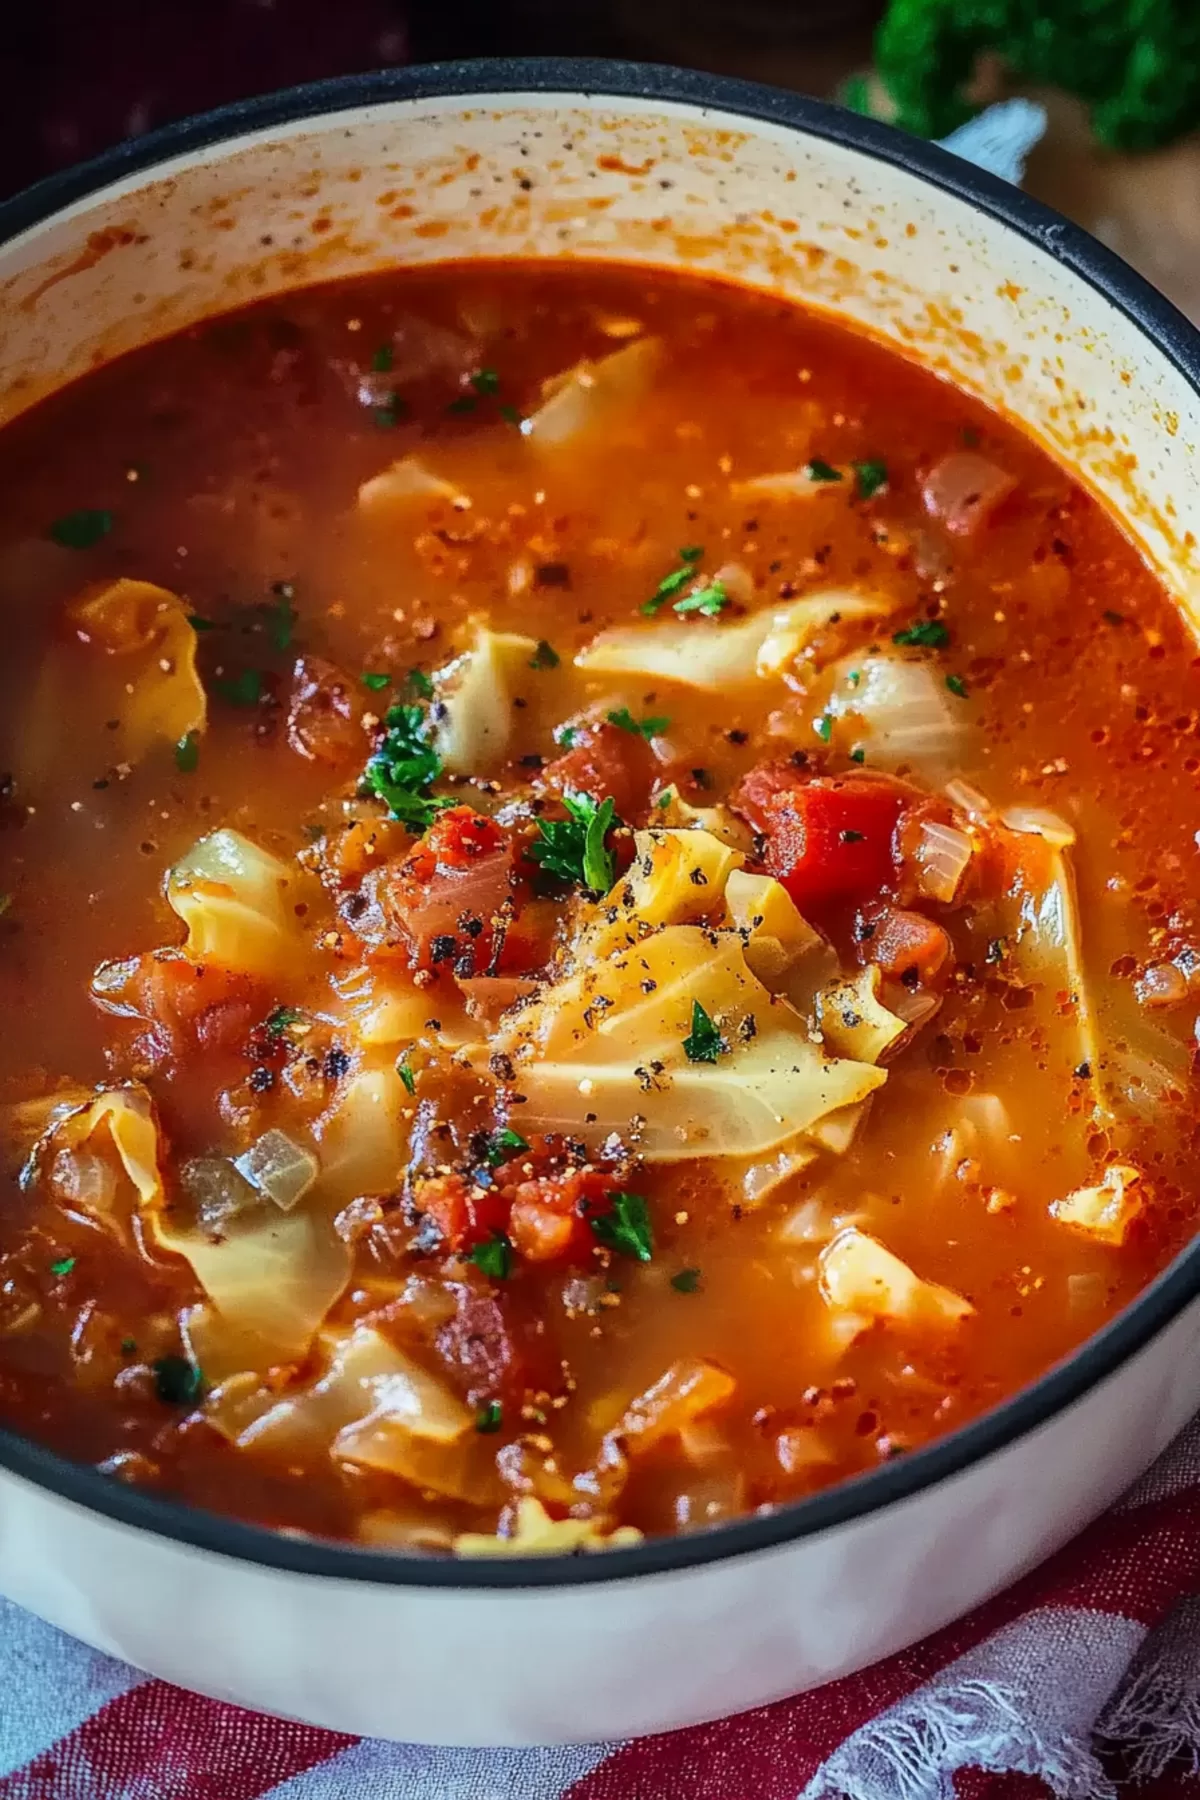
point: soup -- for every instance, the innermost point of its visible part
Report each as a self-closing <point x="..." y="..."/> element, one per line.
<point x="599" y="927"/>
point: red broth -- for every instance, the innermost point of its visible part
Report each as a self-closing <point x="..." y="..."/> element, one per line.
<point x="440" y="1151"/>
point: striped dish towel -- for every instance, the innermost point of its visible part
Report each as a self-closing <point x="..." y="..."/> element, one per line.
<point x="1085" y="1675"/>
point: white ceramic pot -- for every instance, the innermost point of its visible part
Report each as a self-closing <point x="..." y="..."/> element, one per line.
<point x="948" y="265"/>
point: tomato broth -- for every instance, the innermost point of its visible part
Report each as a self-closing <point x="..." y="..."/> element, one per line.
<point x="599" y="910"/>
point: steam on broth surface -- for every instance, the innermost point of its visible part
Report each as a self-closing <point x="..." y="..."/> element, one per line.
<point x="600" y="910"/>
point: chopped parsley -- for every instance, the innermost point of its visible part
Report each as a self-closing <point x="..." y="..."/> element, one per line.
<point x="80" y="530"/>
<point x="626" y="1228"/>
<point x="816" y="470"/>
<point x="128" y="1346"/>
<point x="282" y="1020"/>
<point x="646" y="728"/>
<point x="405" y="1072"/>
<point x="869" y="477"/>
<point x="490" y="1416"/>
<point x="501" y="1144"/>
<point x="545" y="656"/>
<point x="858" y="756"/>
<point x="466" y="403"/>
<point x="198" y="622"/>
<point x="823" y="727"/>
<point x="383" y="359"/>
<point x="928" y="634"/>
<point x="511" y="415"/>
<point x="566" y="735"/>
<point x="686" y="1282"/>
<point x="63" y="1266"/>
<point x="672" y="583"/>
<point x="389" y="412"/>
<point x="573" y="848"/>
<point x="850" y="836"/>
<point x="494" y="1256"/>
<point x="241" y="690"/>
<point x="282" y="617"/>
<point x="177" y="1381"/>
<point x="375" y="680"/>
<point x="420" y="684"/>
<point x="708" y="600"/>
<point x="704" y="1042"/>
<point x="485" y="381"/>
<point x="404" y="767"/>
<point x="187" y="753"/>
<point x="665" y="798"/>
<point x="957" y="685"/>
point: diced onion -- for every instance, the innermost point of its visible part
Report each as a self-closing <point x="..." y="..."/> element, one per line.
<point x="280" y="1169"/>
<point x="218" y="1192"/>
<point x="908" y="719"/>
<point x="963" y="490"/>
<point x="737" y="582"/>
<point x="943" y="854"/>
<point x="1038" y="821"/>
<point x="968" y="799"/>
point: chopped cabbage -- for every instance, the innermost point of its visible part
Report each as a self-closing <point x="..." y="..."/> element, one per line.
<point x="718" y="821"/>
<point x="590" y="398"/>
<point x="476" y="692"/>
<point x="362" y="1142"/>
<point x="401" y="485"/>
<point x="860" y="1278"/>
<point x="238" y="903"/>
<point x="676" y="877"/>
<point x="854" y="1021"/>
<point x="1104" y="1212"/>
<point x="716" y="658"/>
<point x="903" y="714"/>
<point x="535" y="1533"/>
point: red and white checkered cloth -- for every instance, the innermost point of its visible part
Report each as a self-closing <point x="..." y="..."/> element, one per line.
<point x="1084" y="1675"/>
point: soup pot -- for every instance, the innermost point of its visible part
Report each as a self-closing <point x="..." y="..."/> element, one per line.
<point x="947" y="265"/>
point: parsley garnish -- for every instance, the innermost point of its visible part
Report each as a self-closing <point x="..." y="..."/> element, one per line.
<point x="420" y="684"/>
<point x="282" y="615"/>
<point x="545" y="656"/>
<point x="566" y="735"/>
<point x="404" y="767"/>
<point x="671" y="584"/>
<point x="501" y="1144"/>
<point x="80" y="530"/>
<point x="816" y="470"/>
<point x="869" y="477"/>
<point x="626" y="1228"/>
<point x="375" y="680"/>
<point x="63" y="1266"/>
<point x="850" y="836"/>
<point x="858" y="756"/>
<point x="128" y="1346"/>
<point x="704" y="1042"/>
<point x="187" y="753"/>
<point x="466" y="403"/>
<point x="511" y="415"/>
<point x="177" y="1381"/>
<point x="957" y="685"/>
<point x="708" y="600"/>
<point x="383" y="359"/>
<point x="646" y="728"/>
<point x="389" y="412"/>
<point x="490" y="1416"/>
<point x="243" y="690"/>
<point x="404" y="1071"/>
<point x="485" y="381"/>
<point x="282" y="1019"/>
<point x="823" y="727"/>
<point x="493" y="1256"/>
<point x="686" y="1282"/>
<point x="199" y="623"/>
<point x="573" y="848"/>
<point x="929" y="634"/>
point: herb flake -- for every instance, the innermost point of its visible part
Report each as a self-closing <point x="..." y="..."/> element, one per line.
<point x="404" y="767"/>
<point x="545" y="656"/>
<point x="644" y="728"/>
<point x="177" y="1382"/>
<point x="187" y="753"/>
<point x="282" y="1019"/>
<point x="63" y="1266"/>
<point x="502" y="1144"/>
<point x="490" y="1416"/>
<point x="869" y="477"/>
<point x="494" y="1256"/>
<point x="926" y="634"/>
<point x="626" y="1228"/>
<point x="81" y="530"/>
<point x="375" y="679"/>
<point x="704" y="1043"/>
<point x="686" y="1282"/>
<point x="405" y="1072"/>
<point x="574" y="848"/>
<point x="241" y="690"/>
<point x="709" y="600"/>
<point x="817" y="470"/>
<point x="957" y="685"/>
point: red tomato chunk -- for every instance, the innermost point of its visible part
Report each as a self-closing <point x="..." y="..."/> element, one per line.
<point x="827" y="838"/>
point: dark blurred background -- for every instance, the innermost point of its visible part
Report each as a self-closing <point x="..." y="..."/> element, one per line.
<point x="79" y="75"/>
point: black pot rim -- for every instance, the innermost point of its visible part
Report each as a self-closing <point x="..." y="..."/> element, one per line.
<point x="1153" y="1310"/>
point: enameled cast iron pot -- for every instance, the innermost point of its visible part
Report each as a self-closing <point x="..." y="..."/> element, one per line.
<point x="604" y="160"/>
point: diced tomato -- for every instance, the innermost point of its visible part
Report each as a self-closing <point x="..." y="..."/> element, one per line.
<point x="905" y="945"/>
<point x="827" y="838"/>
<point x="605" y="761"/>
<point x="550" y="1217"/>
<point x="450" y="902"/>
<point x="200" y="1003"/>
<point x="464" y="1212"/>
